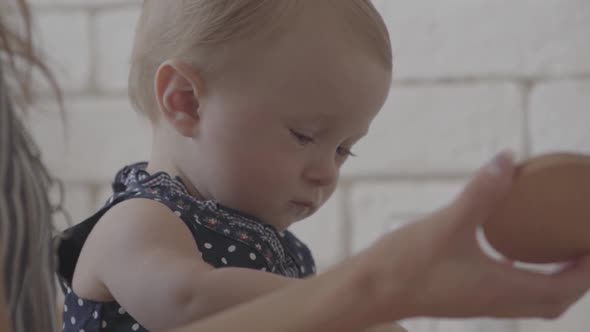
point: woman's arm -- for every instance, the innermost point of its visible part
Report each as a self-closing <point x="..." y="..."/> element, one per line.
<point x="339" y="300"/>
<point x="431" y="268"/>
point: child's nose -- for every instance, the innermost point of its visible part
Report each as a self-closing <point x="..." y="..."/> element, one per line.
<point x="322" y="172"/>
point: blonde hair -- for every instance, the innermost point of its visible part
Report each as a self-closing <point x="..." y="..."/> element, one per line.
<point x="201" y="32"/>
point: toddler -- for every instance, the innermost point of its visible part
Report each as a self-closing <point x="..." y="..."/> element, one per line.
<point x="255" y="105"/>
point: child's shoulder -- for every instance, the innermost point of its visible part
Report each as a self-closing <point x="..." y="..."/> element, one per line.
<point x="133" y="215"/>
<point x="133" y="239"/>
<point x="136" y="224"/>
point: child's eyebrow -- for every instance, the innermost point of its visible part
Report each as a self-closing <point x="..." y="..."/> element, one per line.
<point x="351" y="138"/>
<point x="324" y="120"/>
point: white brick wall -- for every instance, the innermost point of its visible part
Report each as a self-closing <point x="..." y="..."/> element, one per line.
<point x="421" y="125"/>
<point x="488" y="38"/>
<point x="472" y="77"/>
<point x="559" y="116"/>
<point x="379" y="206"/>
<point x="115" y="29"/>
<point x="102" y="134"/>
<point x="64" y="36"/>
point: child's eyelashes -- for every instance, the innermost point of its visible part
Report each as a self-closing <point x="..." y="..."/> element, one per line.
<point x="301" y="138"/>
<point x="304" y="139"/>
<point x="345" y="152"/>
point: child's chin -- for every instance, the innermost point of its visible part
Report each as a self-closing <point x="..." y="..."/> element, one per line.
<point x="302" y="217"/>
<point x="285" y="223"/>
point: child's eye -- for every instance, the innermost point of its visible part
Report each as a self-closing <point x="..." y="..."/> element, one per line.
<point x="345" y="152"/>
<point x="301" y="138"/>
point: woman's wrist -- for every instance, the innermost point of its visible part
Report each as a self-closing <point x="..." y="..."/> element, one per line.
<point x="363" y="290"/>
<point x="383" y="278"/>
<point x="347" y="295"/>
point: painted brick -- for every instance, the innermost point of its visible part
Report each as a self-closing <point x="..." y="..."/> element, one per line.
<point x="483" y="38"/>
<point x="559" y="116"/>
<point x="99" y="137"/>
<point x="380" y="207"/>
<point x="64" y="39"/>
<point x="440" y="129"/>
<point x="115" y="31"/>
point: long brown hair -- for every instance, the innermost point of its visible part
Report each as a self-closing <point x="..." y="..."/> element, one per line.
<point x="19" y="46"/>
<point x="25" y="209"/>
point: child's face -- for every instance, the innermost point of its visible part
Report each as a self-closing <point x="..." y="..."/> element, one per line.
<point x="273" y="136"/>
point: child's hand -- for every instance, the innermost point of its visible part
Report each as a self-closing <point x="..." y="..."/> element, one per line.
<point x="448" y="274"/>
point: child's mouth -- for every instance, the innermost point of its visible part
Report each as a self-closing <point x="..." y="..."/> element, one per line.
<point x="304" y="208"/>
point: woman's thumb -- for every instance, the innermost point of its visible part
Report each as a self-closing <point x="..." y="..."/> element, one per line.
<point x="484" y="192"/>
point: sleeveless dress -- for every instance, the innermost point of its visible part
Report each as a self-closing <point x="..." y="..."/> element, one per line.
<point x="225" y="237"/>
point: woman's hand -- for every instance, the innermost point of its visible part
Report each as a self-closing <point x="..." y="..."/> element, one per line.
<point x="440" y="270"/>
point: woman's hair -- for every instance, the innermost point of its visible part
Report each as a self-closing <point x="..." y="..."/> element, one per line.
<point x="25" y="209"/>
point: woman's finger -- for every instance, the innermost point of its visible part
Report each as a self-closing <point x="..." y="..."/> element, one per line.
<point x="482" y="194"/>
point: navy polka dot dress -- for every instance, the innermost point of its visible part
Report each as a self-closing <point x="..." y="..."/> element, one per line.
<point x="224" y="236"/>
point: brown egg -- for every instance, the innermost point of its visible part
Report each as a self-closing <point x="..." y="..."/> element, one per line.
<point x="546" y="216"/>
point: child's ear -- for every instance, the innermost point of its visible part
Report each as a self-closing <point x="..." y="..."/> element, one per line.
<point x="178" y="89"/>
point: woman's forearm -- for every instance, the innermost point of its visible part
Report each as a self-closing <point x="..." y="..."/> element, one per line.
<point x="338" y="300"/>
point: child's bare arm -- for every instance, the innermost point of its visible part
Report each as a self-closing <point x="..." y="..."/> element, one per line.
<point x="148" y="261"/>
